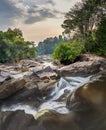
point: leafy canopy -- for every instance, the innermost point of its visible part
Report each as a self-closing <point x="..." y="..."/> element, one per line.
<point x="13" y="47"/>
<point x="87" y="19"/>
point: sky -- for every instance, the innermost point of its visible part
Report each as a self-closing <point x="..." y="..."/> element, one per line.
<point x="38" y="19"/>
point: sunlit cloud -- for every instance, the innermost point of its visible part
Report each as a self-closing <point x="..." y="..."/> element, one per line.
<point x="34" y="16"/>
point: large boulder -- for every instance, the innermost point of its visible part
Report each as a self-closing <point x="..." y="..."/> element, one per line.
<point x="43" y="79"/>
<point x="87" y="107"/>
<point x="31" y="89"/>
<point x="88" y="64"/>
<point x="52" y="120"/>
<point x="26" y="81"/>
<point x="45" y="72"/>
<point x="80" y="69"/>
<point x="10" y="87"/>
<point x="32" y="97"/>
<point x="91" y="95"/>
<point x="18" y="120"/>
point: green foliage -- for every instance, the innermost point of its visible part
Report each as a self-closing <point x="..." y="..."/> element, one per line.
<point x="90" y="44"/>
<point x="48" y="45"/>
<point x="13" y="47"/>
<point x="82" y="15"/>
<point x="66" y="53"/>
<point x="96" y="40"/>
<point x="101" y="37"/>
<point x="88" y="20"/>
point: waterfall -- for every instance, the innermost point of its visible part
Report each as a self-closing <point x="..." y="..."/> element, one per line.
<point x="68" y="84"/>
<point x="62" y="88"/>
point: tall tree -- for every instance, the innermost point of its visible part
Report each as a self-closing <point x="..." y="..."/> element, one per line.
<point x="82" y="16"/>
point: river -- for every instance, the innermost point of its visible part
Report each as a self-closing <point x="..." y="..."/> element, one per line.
<point x="56" y="100"/>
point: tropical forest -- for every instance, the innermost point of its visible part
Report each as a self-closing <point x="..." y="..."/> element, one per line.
<point x="53" y="65"/>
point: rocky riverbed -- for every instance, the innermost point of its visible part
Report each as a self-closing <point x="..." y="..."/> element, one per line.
<point x="58" y="97"/>
<point x="87" y="64"/>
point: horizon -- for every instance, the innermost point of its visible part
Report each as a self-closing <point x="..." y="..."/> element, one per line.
<point x="36" y="19"/>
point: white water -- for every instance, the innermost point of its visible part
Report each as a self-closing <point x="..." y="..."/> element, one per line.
<point x="67" y="84"/>
<point x="28" y="109"/>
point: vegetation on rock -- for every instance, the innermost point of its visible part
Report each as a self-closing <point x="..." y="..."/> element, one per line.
<point x="66" y="52"/>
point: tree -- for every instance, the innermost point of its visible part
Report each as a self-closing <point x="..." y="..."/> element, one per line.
<point x="100" y="37"/>
<point x="13" y="47"/>
<point x="85" y="20"/>
<point x="82" y="15"/>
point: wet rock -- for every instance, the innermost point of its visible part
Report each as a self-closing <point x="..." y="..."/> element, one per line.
<point x="87" y="65"/>
<point x="32" y="94"/>
<point x="43" y="79"/>
<point x="32" y="97"/>
<point x="91" y="95"/>
<point x="87" y="107"/>
<point x="18" y="120"/>
<point x="80" y="69"/>
<point x="28" y="87"/>
<point x="103" y="64"/>
<point x="46" y="72"/>
<point x="75" y="120"/>
<point x="29" y="63"/>
<point x="29" y="83"/>
<point x="63" y="97"/>
<point x="52" y="120"/>
<point x="10" y="87"/>
<point x="4" y="75"/>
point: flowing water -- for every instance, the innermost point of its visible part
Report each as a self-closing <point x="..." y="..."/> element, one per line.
<point x="62" y="89"/>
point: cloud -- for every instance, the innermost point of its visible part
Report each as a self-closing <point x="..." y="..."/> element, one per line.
<point x="9" y="8"/>
<point x="30" y="11"/>
<point x="9" y="11"/>
<point x="51" y="2"/>
<point x="40" y="13"/>
<point x="27" y="12"/>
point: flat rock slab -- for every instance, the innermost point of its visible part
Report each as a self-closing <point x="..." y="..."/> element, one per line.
<point x="84" y="68"/>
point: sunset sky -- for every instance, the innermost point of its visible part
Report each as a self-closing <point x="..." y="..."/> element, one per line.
<point x="38" y="19"/>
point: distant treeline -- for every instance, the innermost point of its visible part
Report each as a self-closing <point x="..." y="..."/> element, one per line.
<point x="48" y="45"/>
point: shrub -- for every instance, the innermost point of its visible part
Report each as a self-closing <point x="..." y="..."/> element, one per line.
<point x="66" y="53"/>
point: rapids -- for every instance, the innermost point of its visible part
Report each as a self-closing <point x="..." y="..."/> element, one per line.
<point x="62" y="89"/>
